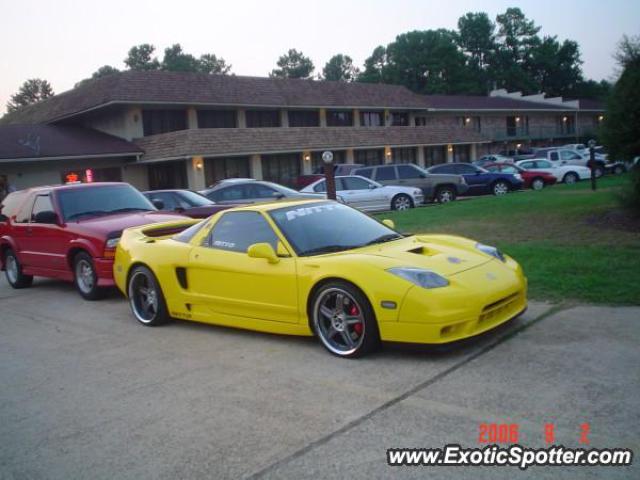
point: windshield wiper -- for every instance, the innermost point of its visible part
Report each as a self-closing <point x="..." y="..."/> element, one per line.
<point x="131" y="209"/>
<point x="90" y="213"/>
<point x="385" y="238"/>
<point x="328" y="249"/>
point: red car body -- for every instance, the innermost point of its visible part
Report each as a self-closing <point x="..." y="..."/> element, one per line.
<point x="528" y="176"/>
<point x="46" y="244"/>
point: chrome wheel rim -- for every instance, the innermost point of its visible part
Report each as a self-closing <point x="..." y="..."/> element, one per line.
<point x="537" y="184"/>
<point x="570" y="178"/>
<point x="11" y="265"/>
<point x="402" y="203"/>
<point x="445" y="196"/>
<point x="339" y="321"/>
<point x="500" y="188"/>
<point x="85" y="276"/>
<point x="143" y="297"/>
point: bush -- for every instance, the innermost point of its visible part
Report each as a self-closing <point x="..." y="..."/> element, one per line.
<point x="630" y="195"/>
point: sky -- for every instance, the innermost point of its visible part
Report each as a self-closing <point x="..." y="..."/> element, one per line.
<point x="65" y="41"/>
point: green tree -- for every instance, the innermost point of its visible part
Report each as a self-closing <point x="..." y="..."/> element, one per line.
<point x="175" y="60"/>
<point x="340" y="68"/>
<point x="375" y="66"/>
<point x="555" y="67"/>
<point x="476" y="37"/>
<point x="293" y="64"/>
<point x="209" y="63"/>
<point x="141" y="57"/>
<point x="103" y="71"/>
<point x="592" y="89"/>
<point x="32" y="91"/>
<point x="628" y="50"/>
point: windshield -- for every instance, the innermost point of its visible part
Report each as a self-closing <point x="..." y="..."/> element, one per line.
<point x="195" y="199"/>
<point x="325" y="227"/>
<point x="77" y="203"/>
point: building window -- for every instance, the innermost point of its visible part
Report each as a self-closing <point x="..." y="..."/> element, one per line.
<point x="282" y="168"/>
<point x="370" y="156"/>
<point x="421" y="121"/>
<point x="317" y="165"/>
<point x="339" y="118"/>
<point x="566" y="125"/>
<point x="400" y="119"/>
<point x="403" y="155"/>
<point x="216" y="169"/>
<point x="163" y="121"/>
<point x="371" y="119"/>
<point x="435" y="155"/>
<point x="473" y="123"/>
<point x="167" y="175"/>
<point x="263" y="118"/>
<point x="217" y="119"/>
<point x="517" y="126"/>
<point x="462" y="153"/>
<point x="304" y="118"/>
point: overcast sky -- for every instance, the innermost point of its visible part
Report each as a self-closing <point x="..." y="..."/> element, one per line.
<point x="65" y="41"/>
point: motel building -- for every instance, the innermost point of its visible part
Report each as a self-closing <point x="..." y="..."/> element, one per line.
<point x="160" y="130"/>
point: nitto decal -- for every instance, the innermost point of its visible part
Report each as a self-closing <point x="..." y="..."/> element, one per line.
<point x="220" y="243"/>
<point x="305" y="211"/>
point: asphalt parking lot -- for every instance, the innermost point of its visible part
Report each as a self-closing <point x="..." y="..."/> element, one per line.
<point x="86" y="392"/>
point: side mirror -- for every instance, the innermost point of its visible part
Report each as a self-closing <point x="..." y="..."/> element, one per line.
<point x="278" y="195"/>
<point x="389" y="223"/>
<point x="159" y="204"/>
<point x="47" y="216"/>
<point x="263" y="250"/>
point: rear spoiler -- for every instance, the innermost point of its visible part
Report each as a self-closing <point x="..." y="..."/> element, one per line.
<point x="167" y="228"/>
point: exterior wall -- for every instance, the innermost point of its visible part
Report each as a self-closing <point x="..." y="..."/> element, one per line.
<point x="125" y="124"/>
<point x="137" y="175"/>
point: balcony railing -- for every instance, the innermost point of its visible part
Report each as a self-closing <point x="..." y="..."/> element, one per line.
<point x="536" y="133"/>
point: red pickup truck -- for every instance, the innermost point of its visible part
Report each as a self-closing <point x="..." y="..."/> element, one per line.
<point x="70" y="232"/>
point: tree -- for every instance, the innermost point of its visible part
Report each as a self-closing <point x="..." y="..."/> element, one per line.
<point x="592" y="89"/>
<point x="141" y="57"/>
<point x="209" y="63"/>
<point x="375" y="66"/>
<point x="476" y="37"/>
<point x="32" y="91"/>
<point x="555" y="67"/>
<point x="340" y="68"/>
<point x="628" y="50"/>
<point x="293" y="64"/>
<point x="175" y="60"/>
<point x="103" y="71"/>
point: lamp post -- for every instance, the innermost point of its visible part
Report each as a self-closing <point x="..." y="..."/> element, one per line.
<point x="592" y="162"/>
<point x="327" y="158"/>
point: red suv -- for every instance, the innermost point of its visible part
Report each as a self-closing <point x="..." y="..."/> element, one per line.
<point x="70" y="232"/>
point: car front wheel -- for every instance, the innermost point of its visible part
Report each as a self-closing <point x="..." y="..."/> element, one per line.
<point x="146" y="298"/>
<point x="537" y="184"/>
<point x="86" y="278"/>
<point x="500" y="188"/>
<point x="13" y="271"/>
<point x="344" y="321"/>
<point x="401" y="202"/>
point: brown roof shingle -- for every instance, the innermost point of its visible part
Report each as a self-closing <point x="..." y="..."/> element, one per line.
<point x="220" y="141"/>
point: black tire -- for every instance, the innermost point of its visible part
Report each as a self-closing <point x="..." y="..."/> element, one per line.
<point x="85" y="277"/>
<point x="337" y="325"/>
<point x="401" y="202"/>
<point x="146" y="298"/>
<point x="500" y="188"/>
<point x="445" y="195"/>
<point x="599" y="171"/>
<point x="537" y="184"/>
<point x="13" y="271"/>
<point x="570" y="178"/>
<point x="618" y="170"/>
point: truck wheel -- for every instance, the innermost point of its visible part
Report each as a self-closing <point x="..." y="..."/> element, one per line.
<point x="86" y="278"/>
<point x="618" y="170"/>
<point x="598" y="171"/>
<point x="445" y="195"/>
<point x="13" y="271"/>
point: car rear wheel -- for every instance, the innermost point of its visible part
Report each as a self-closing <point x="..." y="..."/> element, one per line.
<point x="500" y="188"/>
<point x="401" y="202"/>
<point x="537" y="184"/>
<point x="618" y="170"/>
<point x="599" y="171"/>
<point x="445" y="195"/>
<point x="344" y="321"/>
<point x="13" y="271"/>
<point x="570" y="178"/>
<point x="86" y="278"/>
<point x="146" y="298"/>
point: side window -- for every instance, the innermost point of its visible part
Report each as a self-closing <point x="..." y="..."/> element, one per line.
<point x="355" y="183"/>
<point x="260" y="191"/>
<point x="528" y="165"/>
<point x="407" y="171"/>
<point x="543" y="164"/>
<point x="554" y="156"/>
<point x="166" y="198"/>
<point x="364" y="172"/>
<point x="42" y="204"/>
<point x="465" y="169"/>
<point x="320" y="187"/>
<point x="229" y="194"/>
<point x="386" y="173"/>
<point x="236" y="231"/>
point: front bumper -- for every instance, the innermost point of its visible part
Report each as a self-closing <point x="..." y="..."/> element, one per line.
<point x="477" y="300"/>
<point x="104" y="270"/>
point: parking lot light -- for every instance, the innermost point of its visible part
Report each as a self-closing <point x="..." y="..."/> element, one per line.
<point x="327" y="159"/>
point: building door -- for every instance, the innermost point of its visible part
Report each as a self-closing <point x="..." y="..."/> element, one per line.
<point x="216" y="169"/>
<point x="283" y="169"/>
<point x="167" y="175"/>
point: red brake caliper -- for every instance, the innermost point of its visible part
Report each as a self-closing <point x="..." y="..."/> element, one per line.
<point x="353" y="311"/>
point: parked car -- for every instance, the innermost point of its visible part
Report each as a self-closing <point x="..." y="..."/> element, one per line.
<point x="531" y="179"/>
<point x="518" y="153"/>
<point x="489" y="159"/>
<point x="243" y="191"/>
<point x="70" y="232"/>
<point x="565" y="156"/>
<point x="436" y="188"/>
<point x="564" y="173"/>
<point x="339" y="169"/>
<point x="481" y="181"/>
<point x="186" y="202"/>
<point x="367" y="195"/>
<point x="319" y="268"/>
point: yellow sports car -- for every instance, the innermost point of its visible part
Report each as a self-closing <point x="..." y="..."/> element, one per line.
<point x="321" y="268"/>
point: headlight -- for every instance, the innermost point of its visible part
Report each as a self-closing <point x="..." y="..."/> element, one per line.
<point x="417" y="192"/>
<point x="489" y="250"/>
<point x="421" y="277"/>
<point x="112" y="243"/>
